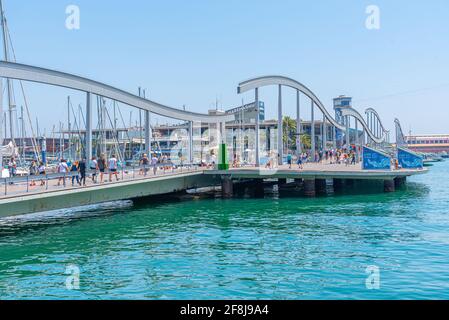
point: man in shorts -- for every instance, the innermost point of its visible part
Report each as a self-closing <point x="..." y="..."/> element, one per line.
<point x="93" y="166"/>
<point x="113" y="167"/>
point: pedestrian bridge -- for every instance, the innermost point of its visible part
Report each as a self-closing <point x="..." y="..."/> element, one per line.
<point x="18" y="197"/>
<point x="134" y="183"/>
<point x="90" y="87"/>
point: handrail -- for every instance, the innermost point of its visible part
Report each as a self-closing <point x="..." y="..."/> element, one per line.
<point x="70" y="174"/>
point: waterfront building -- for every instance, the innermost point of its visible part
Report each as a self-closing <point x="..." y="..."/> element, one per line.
<point x="435" y="143"/>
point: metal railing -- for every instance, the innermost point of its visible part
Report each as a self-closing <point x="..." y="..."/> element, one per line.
<point x="35" y="184"/>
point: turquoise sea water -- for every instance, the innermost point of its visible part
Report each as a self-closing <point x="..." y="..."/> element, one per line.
<point x="272" y="248"/>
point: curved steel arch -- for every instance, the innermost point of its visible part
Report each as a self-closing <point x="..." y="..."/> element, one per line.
<point x="280" y="80"/>
<point x="354" y="113"/>
<point x="400" y="137"/>
<point x="285" y="81"/>
<point x="373" y="111"/>
<point x="51" y="77"/>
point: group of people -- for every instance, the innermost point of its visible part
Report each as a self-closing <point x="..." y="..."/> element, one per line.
<point x="341" y="156"/>
<point x="338" y="156"/>
<point x="101" y="166"/>
<point x="76" y="171"/>
<point x="37" y="169"/>
<point x="145" y="163"/>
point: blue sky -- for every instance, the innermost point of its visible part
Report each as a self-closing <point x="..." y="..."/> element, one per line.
<point x="193" y="52"/>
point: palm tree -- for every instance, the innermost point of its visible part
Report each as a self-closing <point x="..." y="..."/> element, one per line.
<point x="306" y="141"/>
<point x="290" y="135"/>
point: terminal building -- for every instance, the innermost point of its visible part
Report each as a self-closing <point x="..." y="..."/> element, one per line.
<point x="428" y="143"/>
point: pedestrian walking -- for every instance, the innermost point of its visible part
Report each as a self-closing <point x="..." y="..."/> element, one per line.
<point x="42" y="172"/>
<point x="82" y="166"/>
<point x="75" y="175"/>
<point x="63" y="169"/>
<point x="93" y="166"/>
<point x="154" y="161"/>
<point x="33" y="173"/>
<point x="102" y="166"/>
<point x="113" y="167"/>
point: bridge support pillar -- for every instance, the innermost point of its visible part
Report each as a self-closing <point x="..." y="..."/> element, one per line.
<point x="399" y="182"/>
<point x="191" y="142"/>
<point x="389" y="186"/>
<point x="282" y="182"/>
<point x="88" y="144"/>
<point x="280" y="129"/>
<point x="227" y="187"/>
<point x="338" y="184"/>
<point x="147" y="133"/>
<point x="349" y="182"/>
<point x="324" y="134"/>
<point x="357" y="141"/>
<point x="1" y="124"/>
<point x="321" y="186"/>
<point x="334" y="137"/>
<point x="259" y="189"/>
<point x="312" y="133"/>
<point x="309" y="188"/>
<point x="348" y="138"/>
<point x="257" y="129"/>
<point x="298" y="125"/>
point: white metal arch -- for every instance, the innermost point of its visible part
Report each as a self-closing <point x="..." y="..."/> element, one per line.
<point x="373" y="111"/>
<point x="285" y="81"/>
<point x="51" y="77"/>
<point x="288" y="82"/>
<point x="355" y="114"/>
<point x="400" y="137"/>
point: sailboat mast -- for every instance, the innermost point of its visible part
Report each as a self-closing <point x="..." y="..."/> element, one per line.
<point x="1" y="126"/>
<point x="22" y="132"/>
<point x="8" y="81"/>
<point x="69" y="127"/>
